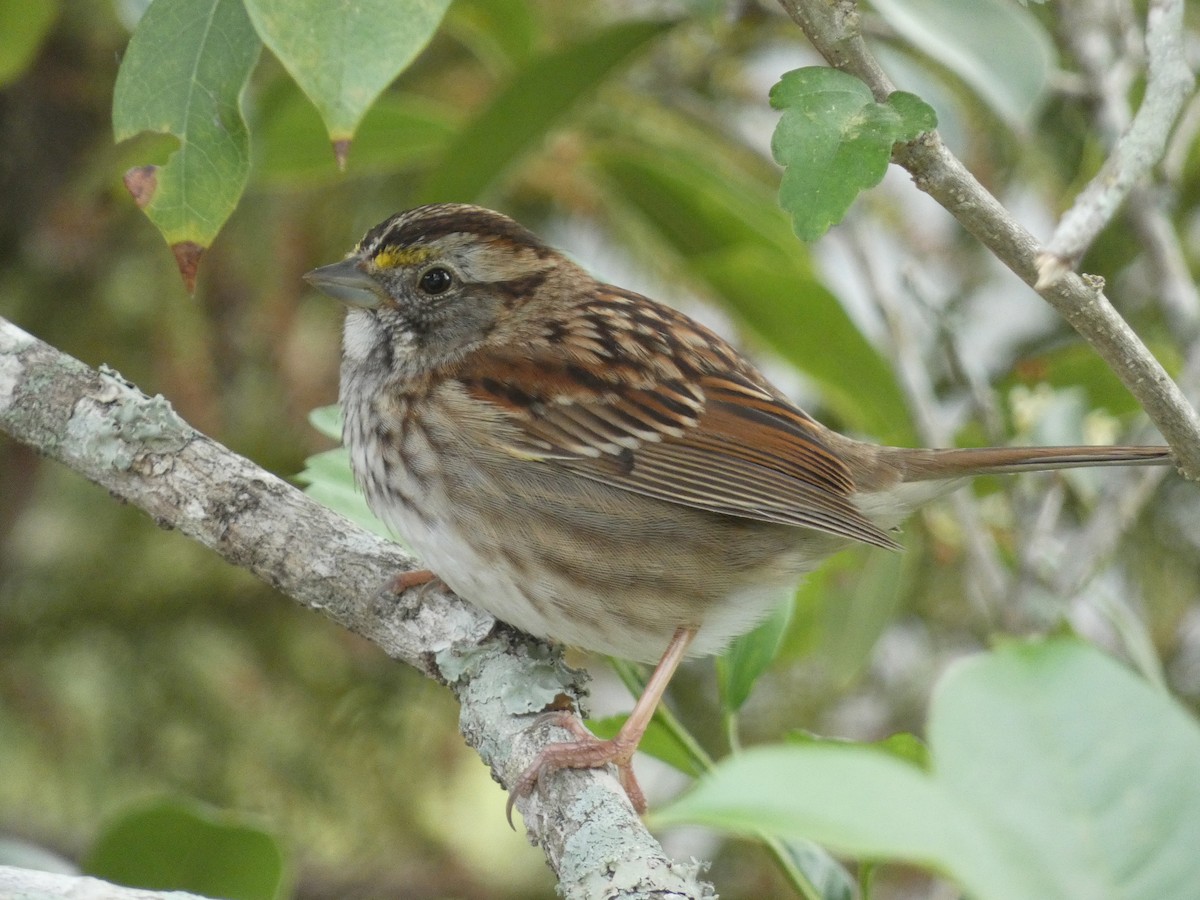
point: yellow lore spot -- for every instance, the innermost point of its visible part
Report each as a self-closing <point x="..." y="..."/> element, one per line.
<point x="394" y="257"/>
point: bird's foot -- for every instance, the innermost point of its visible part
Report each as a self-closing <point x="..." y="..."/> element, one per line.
<point x="411" y="579"/>
<point x="585" y="751"/>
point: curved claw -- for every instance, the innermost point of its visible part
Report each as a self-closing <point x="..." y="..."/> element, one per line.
<point x="585" y="751"/>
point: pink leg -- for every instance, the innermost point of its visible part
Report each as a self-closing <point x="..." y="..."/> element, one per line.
<point x="589" y="752"/>
<point x="405" y="580"/>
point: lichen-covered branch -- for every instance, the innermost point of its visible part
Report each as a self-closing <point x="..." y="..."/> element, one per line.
<point x="138" y="449"/>
<point x="833" y="28"/>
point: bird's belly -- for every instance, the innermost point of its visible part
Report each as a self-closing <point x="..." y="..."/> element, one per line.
<point x="604" y="570"/>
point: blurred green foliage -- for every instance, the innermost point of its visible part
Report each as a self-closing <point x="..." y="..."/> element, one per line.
<point x="183" y="846"/>
<point x="133" y="663"/>
<point x="1028" y="727"/>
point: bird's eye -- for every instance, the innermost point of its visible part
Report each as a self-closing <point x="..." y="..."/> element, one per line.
<point x="436" y="280"/>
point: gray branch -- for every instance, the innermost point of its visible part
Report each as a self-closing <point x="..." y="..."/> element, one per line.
<point x="1100" y="37"/>
<point x="833" y="28"/>
<point x="27" y="884"/>
<point x="1169" y="83"/>
<point x="138" y="449"/>
<point x="1108" y="47"/>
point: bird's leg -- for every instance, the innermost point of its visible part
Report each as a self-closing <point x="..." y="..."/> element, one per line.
<point x="587" y="751"/>
<point x="405" y="580"/>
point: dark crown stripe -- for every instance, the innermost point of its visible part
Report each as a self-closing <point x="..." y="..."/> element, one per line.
<point x="429" y="223"/>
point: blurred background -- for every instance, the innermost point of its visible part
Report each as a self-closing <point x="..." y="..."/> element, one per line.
<point x="136" y="665"/>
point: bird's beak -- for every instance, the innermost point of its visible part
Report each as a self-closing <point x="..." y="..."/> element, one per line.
<point x="345" y="281"/>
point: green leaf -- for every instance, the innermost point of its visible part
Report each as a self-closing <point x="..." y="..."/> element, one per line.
<point x="827" y="876"/>
<point x="1108" y="763"/>
<point x="906" y="746"/>
<point x="344" y="54"/>
<point x="999" y="49"/>
<point x="903" y="745"/>
<point x="854" y="799"/>
<point x="740" y="667"/>
<point x="737" y="242"/>
<point x="521" y="115"/>
<point x="177" y="845"/>
<point x="1056" y="772"/>
<point x="183" y="75"/>
<point x="834" y="141"/>
<point x="24" y="24"/>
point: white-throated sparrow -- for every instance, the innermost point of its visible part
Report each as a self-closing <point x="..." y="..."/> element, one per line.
<point x="596" y="468"/>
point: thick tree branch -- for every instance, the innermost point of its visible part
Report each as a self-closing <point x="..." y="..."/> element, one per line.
<point x="833" y="28"/>
<point x="137" y="448"/>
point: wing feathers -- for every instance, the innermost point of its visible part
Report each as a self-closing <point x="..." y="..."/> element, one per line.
<point x="695" y="426"/>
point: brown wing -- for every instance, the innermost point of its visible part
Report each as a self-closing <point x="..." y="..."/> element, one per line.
<point x="639" y="397"/>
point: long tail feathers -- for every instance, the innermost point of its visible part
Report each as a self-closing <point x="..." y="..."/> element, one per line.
<point x="927" y="465"/>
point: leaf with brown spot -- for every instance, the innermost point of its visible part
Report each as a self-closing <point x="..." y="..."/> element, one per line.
<point x="183" y="75"/>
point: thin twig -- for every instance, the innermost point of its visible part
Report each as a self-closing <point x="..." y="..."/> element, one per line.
<point x="1169" y="83"/>
<point x="1100" y="43"/>
<point x="832" y="28"/>
<point x="1092" y="38"/>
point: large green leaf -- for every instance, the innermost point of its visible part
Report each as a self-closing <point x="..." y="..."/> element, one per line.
<point x="181" y="845"/>
<point x="998" y="47"/>
<point x="732" y="236"/>
<point x="183" y="75"/>
<point x="1085" y="776"/>
<point x="524" y="112"/>
<point x="344" y="54"/>
<point x="835" y="141"/>
<point x="1056" y="772"/>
